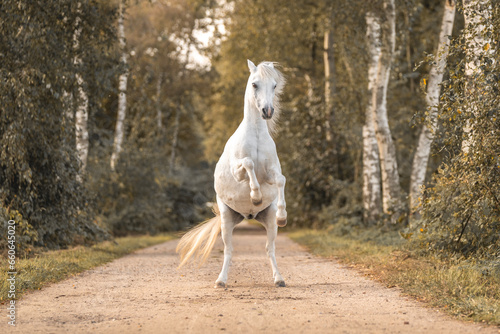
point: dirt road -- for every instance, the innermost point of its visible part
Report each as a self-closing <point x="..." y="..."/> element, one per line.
<point x="144" y="293"/>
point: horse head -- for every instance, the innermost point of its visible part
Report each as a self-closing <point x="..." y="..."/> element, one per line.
<point x="264" y="85"/>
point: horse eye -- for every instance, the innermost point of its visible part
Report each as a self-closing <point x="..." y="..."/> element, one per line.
<point x="254" y="85"/>
<point x="275" y="86"/>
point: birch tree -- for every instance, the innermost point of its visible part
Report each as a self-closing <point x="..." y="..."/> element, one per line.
<point x="175" y="139"/>
<point x="329" y="65"/>
<point x="371" y="168"/>
<point x="81" y="115"/>
<point x="122" y="87"/>
<point x="476" y="12"/>
<point x="391" y="190"/>
<point x="427" y="133"/>
<point x="39" y="158"/>
<point x="158" y="102"/>
<point x="461" y="213"/>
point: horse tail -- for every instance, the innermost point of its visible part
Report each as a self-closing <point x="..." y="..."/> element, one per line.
<point x="199" y="241"/>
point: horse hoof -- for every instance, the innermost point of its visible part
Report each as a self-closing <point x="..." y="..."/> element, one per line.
<point x="257" y="202"/>
<point x="220" y="285"/>
<point x="281" y="222"/>
<point x="280" y="284"/>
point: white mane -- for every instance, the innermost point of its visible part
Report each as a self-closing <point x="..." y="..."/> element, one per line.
<point x="268" y="69"/>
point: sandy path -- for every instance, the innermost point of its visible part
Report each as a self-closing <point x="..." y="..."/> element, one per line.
<point x="143" y="292"/>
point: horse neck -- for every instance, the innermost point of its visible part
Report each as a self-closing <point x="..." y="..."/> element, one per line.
<point x="252" y="118"/>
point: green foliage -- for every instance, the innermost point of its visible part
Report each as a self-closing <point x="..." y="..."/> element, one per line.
<point x="461" y="211"/>
<point x="158" y="185"/>
<point x="38" y="165"/>
<point x="345" y="210"/>
<point x="25" y="234"/>
<point x="141" y="197"/>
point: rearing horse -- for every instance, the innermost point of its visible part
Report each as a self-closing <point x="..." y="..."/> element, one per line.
<point x="248" y="179"/>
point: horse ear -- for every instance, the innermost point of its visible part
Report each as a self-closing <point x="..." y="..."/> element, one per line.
<point x="251" y="66"/>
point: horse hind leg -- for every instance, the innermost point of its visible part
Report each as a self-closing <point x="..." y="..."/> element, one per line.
<point x="267" y="218"/>
<point x="279" y="180"/>
<point x="229" y="219"/>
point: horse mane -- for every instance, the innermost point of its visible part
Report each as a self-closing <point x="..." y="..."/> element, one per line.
<point x="268" y="69"/>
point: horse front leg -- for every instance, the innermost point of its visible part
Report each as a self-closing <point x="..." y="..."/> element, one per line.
<point x="268" y="219"/>
<point x="244" y="169"/>
<point x="275" y="177"/>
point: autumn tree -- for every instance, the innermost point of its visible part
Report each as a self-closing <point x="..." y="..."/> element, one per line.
<point x="429" y="129"/>
<point x="39" y="161"/>
<point x="160" y="180"/>
<point x="372" y="196"/>
<point x="461" y="211"/>
<point x="122" y="87"/>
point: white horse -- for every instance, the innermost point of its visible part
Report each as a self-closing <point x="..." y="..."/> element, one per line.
<point x="248" y="179"/>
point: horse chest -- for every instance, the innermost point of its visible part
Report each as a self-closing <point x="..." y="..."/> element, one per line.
<point x="236" y="194"/>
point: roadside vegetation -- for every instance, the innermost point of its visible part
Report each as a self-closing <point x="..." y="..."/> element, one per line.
<point x="38" y="270"/>
<point x="461" y="287"/>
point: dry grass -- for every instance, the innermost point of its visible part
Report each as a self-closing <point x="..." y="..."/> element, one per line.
<point x="53" y="266"/>
<point x="458" y="288"/>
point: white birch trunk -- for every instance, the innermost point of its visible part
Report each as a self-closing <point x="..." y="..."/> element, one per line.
<point x="371" y="164"/>
<point x="474" y="10"/>
<point x="427" y="134"/>
<point x="81" y="115"/>
<point x="311" y="101"/>
<point x="329" y="65"/>
<point x="175" y="139"/>
<point x="122" y="97"/>
<point x="81" y="126"/>
<point x="391" y="190"/>
<point x="158" y="102"/>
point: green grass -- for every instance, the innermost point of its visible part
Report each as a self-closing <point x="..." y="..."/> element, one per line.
<point x="53" y="266"/>
<point x="457" y="287"/>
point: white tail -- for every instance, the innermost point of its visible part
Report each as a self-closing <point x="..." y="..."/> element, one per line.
<point x="199" y="241"/>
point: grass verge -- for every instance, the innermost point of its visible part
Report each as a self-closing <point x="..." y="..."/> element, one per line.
<point x="53" y="266"/>
<point x="458" y="288"/>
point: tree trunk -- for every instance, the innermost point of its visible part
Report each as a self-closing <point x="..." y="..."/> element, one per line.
<point x="81" y="115"/>
<point x="391" y="190"/>
<point x="474" y="10"/>
<point x="158" y="102"/>
<point x="81" y="126"/>
<point x="371" y="169"/>
<point x="122" y="87"/>
<point x="427" y="134"/>
<point x="175" y="139"/>
<point x="329" y="65"/>
<point x="311" y="101"/>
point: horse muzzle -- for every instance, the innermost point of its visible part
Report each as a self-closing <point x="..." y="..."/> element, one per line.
<point x="267" y="112"/>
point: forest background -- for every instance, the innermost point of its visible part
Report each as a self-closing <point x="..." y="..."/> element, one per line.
<point x="113" y="115"/>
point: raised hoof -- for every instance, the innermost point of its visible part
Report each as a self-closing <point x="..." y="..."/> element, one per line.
<point x="281" y="222"/>
<point x="256" y="202"/>
<point x="280" y="284"/>
<point x="220" y="285"/>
